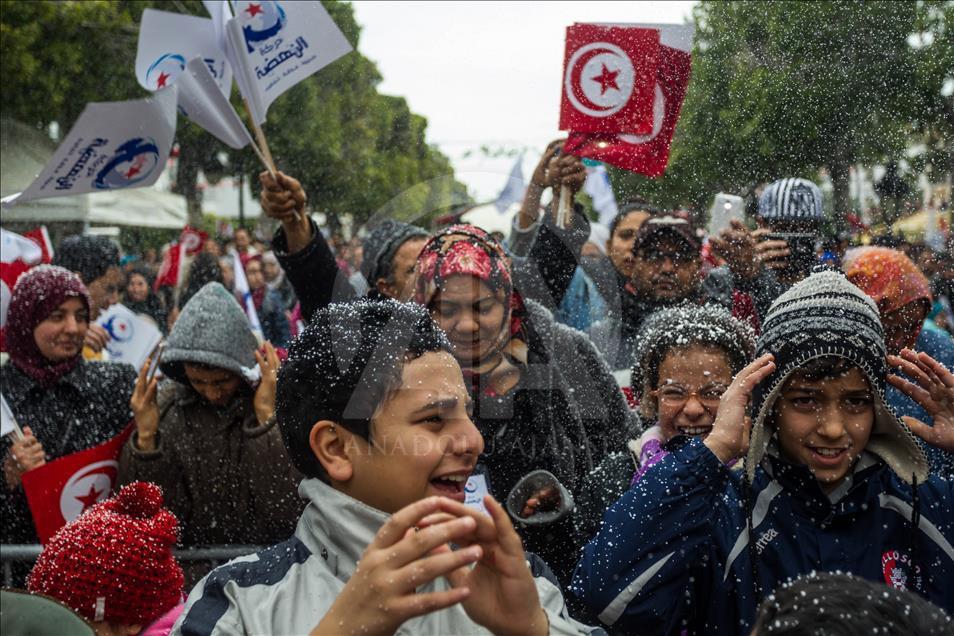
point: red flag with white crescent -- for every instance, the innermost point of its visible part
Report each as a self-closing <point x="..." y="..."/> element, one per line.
<point x="61" y="490"/>
<point x="18" y="254"/>
<point x="608" y="77"/>
<point x="647" y="154"/>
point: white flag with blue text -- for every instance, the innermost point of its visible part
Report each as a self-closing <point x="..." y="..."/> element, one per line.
<point x="112" y="146"/>
<point x="184" y="50"/>
<point x="275" y="45"/>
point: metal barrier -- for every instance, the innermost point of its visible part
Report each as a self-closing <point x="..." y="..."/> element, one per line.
<point x="10" y="553"/>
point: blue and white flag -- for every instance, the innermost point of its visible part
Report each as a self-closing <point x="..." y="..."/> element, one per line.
<point x="112" y="146"/>
<point x="131" y="337"/>
<point x="168" y="41"/>
<point x="242" y="291"/>
<point x="275" y="45"/>
<point x="184" y="50"/>
<point x="597" y="186"/>
<point x="514" y="189"/>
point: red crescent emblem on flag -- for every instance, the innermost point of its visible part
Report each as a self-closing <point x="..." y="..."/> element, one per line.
<point x="592" y="73"/>
<point x="86" y="487"/>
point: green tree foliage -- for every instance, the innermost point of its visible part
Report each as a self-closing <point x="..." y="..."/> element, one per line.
<point x="787" y="88"/>
<point x="356" y="151"/>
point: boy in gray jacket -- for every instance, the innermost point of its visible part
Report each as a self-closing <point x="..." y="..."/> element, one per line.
<point x="374" y="411"/>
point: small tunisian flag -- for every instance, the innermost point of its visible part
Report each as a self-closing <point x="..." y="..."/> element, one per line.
<point x="173" y="265"/>
<point x="17" y="255"/>
<point x="609" y="73"/>
<point x="61" y="490"/>
<point x="647" y="154"/>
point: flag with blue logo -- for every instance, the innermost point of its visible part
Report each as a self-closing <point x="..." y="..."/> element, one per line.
<point x="132" y="337"/>
<point x="184" y="50"/>
<point x="275" y="45"/>
<point x="112" y="146"/>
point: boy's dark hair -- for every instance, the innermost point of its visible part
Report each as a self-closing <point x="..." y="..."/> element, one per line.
<point x="88" y="255"/>
<point x="838" y="604"/>
<point x="344" y="365"/>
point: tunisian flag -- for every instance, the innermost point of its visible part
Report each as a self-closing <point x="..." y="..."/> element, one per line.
<point x="647" y="154"/>
<point x="608" y="77"/>
<point x="61" y="490"/>
<point x="17" y="255"/>
<point x="173" y="265"/>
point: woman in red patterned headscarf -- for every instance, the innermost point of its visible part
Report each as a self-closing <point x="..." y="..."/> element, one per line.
<point x="544" y="399"/>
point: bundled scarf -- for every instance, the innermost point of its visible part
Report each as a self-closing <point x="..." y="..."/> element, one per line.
<point x="258" y="295"/>
<point x="888" y="277"/>
<point x="270" y="258"/>
<point x="36" y="295"/>
<point x="465" y="250"/>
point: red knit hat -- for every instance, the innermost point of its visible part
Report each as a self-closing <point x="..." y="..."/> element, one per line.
<point x="114" y="562"/>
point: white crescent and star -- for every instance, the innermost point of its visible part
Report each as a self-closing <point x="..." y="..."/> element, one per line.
<point x="599" y="79"/>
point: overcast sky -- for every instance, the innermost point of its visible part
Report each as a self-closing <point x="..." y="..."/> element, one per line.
<point x="486" y="73"/>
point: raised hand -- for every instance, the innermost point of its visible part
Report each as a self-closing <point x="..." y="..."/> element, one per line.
<point x="264" y="401"/>
<point x="96" y="337"/>
<point x="24" y="455"/>
<point x="502" y="594"/>
<point x="145" y="408"/>
<point x="729" y="438"/>
<point x="933" y="388"/>
<point x="283" y="197"/>
<point x="543" y="500"/>
<point x="381" y="595"/>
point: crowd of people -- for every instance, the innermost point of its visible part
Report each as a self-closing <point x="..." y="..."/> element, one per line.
<point x="580" y="429"/>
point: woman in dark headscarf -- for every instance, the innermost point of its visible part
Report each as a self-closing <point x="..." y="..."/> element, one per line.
<point x="64" y="403"/>
<point x="544" y="399"/>
<point x="140" y="297"/>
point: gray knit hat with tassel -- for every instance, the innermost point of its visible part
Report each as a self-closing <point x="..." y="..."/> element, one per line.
<point x="825" y="315"/>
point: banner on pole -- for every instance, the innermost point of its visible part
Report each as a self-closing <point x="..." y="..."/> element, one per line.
<point x="112" y="146"/>
<point x="608" y="77"/>
<point x="61" y="490"/>
<point x="276" y="45"/>
<point x="168" y="41"/>
<point x="648" y="153"/>
<point x="131" y="337"/>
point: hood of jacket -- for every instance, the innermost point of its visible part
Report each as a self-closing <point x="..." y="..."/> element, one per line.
<point x="211" y="330"/>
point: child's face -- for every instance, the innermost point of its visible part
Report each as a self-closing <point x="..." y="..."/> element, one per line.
<point x="825" y="424"/>
<point x="691" y="381"/>
<point x="423" y="440"/>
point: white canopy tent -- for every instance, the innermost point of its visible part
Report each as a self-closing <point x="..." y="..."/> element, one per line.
<point x="23" y="153"/>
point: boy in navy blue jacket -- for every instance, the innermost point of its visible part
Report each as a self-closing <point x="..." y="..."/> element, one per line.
<point x="833" y="481"/>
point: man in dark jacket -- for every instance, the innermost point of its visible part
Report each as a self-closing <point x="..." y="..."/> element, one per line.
<point x="665" y="273"/>
<point x="209" y="437"/>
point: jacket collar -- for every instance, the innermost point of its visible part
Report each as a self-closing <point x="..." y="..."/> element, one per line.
<point x="336" y="526"/>
<point x="799" y="482"/>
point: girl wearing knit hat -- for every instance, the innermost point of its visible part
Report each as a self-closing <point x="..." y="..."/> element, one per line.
<point x="113" y="565"/>
<point x="64" y="403"/>
<point x="833" y="480"/>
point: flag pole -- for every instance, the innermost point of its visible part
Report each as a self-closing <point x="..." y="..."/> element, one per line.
<point x="264" y="155"/>
<point x="565" y="205"/>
